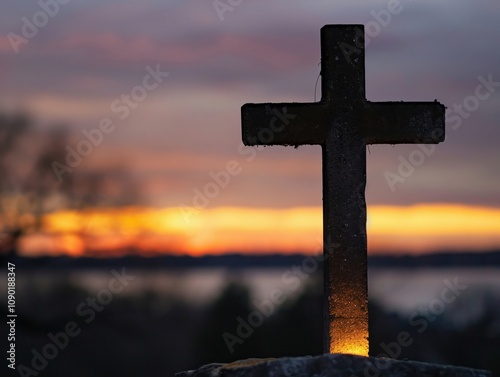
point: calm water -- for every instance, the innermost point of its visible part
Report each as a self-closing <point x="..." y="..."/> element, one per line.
<point x="402" y="290"/>
<point x="406" y="290"/>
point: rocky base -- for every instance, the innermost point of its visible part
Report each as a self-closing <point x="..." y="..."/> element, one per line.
<point x="336" y="365"/>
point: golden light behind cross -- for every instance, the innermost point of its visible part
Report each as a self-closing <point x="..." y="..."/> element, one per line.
<point x="348" y="319"/>
<point x="349" y="336"/>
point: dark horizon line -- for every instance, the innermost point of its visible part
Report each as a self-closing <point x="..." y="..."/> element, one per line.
<point x="464" y="258"/>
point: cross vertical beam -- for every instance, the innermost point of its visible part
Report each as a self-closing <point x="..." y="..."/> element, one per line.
<point x="345" y="307"/>
<point x="343" y="123"/>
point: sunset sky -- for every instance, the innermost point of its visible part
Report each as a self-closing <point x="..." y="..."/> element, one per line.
<point x="175" y="142"/>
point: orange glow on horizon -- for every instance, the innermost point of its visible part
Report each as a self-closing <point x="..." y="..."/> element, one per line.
<point x="414" y="229"/>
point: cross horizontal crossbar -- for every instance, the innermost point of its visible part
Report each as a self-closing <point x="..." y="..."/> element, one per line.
<point x="308" y="123"/>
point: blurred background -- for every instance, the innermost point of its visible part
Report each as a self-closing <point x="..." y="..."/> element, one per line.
<point x="121" y="155"/>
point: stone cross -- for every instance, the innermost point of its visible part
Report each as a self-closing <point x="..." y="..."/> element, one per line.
<point x="343" y="122"/>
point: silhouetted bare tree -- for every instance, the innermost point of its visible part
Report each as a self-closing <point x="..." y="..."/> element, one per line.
<point x="28" y="186"/>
